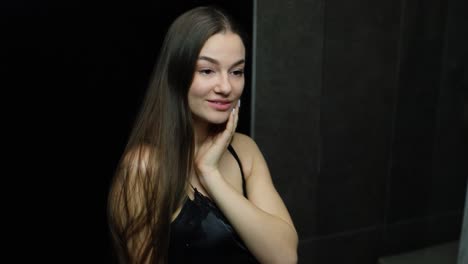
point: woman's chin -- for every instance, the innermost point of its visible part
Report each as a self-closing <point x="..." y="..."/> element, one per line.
<point x="217" y="121"/>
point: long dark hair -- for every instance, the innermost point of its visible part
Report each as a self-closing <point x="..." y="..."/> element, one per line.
<point x="151" y="179"/>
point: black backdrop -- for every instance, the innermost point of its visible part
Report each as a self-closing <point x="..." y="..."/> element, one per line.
<point x="73" y="75"/>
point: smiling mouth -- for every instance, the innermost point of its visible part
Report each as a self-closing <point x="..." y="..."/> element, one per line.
<point x="218" y="105"/>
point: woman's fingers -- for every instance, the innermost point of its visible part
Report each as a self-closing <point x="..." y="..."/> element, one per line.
<point x="224" y="138"/>
<point x="237" y="117"/>
<point x="214" y="146"/>
<point x="232" y="123"/>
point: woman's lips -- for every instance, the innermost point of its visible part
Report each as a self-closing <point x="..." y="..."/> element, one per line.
<point x="220" y="105"/>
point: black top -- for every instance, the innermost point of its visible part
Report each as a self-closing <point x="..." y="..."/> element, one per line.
<point x="202" y="234"/>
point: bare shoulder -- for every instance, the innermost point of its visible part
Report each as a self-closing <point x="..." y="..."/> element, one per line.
<point x="246" y="149"/>
<point x="243" y="140"/>
<point x="244" y="144"/>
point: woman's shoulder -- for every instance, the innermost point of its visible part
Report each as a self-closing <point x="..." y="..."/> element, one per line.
<point x="246" y="148"/>
<point x="243" y="142"/>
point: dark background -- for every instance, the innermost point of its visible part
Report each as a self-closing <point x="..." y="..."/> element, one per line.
<point x="368" y="144"/>
<point x="73" y="75"/>
<point x="359" y="107"/>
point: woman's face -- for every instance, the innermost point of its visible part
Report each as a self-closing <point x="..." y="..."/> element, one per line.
<point x="218" y="80"/>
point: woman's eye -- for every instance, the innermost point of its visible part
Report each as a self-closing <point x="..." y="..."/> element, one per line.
<point x="206" y="71"/>
<point x="238" y="72"/>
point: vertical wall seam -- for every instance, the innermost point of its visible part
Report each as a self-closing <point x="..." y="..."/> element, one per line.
<point x="442" y="81"/>
<point x="254" y="71"/>
<point x="393" y="120"/>
<point x="322" y="85"/>
<point x="321" y="92"/>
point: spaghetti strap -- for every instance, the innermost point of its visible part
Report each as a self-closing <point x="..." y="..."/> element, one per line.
<point x="193" y="188"/>
<point x="234" y="154"/>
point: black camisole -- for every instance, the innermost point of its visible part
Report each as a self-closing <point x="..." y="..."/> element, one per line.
<point x="202" y="234"/>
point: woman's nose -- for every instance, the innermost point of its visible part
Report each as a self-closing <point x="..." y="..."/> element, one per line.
<point x="224" y="85"/>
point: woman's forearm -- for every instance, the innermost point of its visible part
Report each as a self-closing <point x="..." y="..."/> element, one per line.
<point x="268" y="237"/>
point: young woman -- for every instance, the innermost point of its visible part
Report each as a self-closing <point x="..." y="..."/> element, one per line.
<point x="188" y="188"/>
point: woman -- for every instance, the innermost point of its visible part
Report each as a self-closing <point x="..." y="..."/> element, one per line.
<point x="189" y="189"/>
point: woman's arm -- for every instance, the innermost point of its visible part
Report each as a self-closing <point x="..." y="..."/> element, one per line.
<point x="262" y="221"/>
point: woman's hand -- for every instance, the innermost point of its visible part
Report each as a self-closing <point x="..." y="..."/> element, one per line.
<point x="209" y="153"/>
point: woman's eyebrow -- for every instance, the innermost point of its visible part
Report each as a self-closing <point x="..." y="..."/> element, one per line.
<point x="214" y="61"/>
